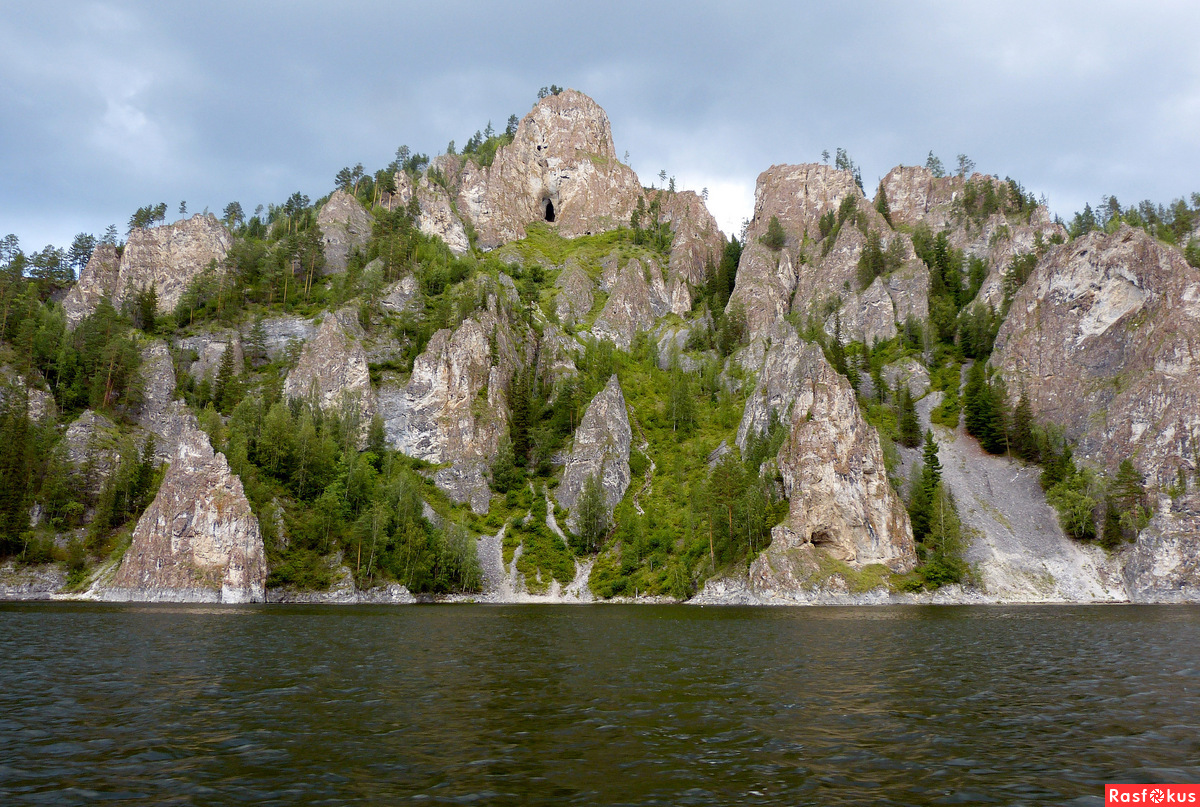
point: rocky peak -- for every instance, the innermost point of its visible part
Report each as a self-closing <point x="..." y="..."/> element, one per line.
<point x="637" y="298"/>
<point x="799" y="195"/>
<point x="601" y="447"/>
<point x="98" y="279"/>
<point x="913" y="193"/>
<point x="345" y="227"/>
<point x="198" y="541"/>
<point x="561" y="167"/>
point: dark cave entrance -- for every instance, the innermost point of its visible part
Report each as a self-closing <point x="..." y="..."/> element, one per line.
<point x="549" y="210"/>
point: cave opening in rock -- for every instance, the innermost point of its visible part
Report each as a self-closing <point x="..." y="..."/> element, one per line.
<point x="549" y="210"/>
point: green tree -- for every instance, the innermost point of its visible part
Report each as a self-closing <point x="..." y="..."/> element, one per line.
<point x="591" y="516"/>
<point x="907" y="424"/>
<point x="775" y="236"/>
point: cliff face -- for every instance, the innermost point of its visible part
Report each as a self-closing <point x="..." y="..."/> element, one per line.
<point x="345" y="227"/>
<point x="600" y="448"/>
<point x="1104" y="339"/>
<point x="561" y="167"/>
<point x="436" y="216"/>
<point x="333" y="370"/>
<point x="698" y="240"/>
<point x="198" y="541"/>
<point x="637" y="297"/>
<point x="167" y="257"/>
<point x="840" y="501"/>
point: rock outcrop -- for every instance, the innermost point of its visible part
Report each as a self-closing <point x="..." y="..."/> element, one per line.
<point x="198" y="541"/>
<point x="100" y="278"/>
<point x="1104" y="341"/>
<point x="333" y="371"/>
<point x="210" y="350"/>
<point x="454" y="408"/>
<point x="575" y="297"/>
<point x="841" y="503"/>
<point x="167" y="258"/>
<point x="436" y="215"/>
<point x="345" y="227"/>
<point x="600" y="448"/>
<point x="638" y="297"/>
<point x="561" y="167"/>
<point x="698" y="240"/>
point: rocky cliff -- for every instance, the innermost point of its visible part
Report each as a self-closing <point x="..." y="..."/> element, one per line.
<point x="167" y="258"/>
<point x="198" y="541"/>
<point x="333" y="371"/>
<point x="436" y="215"/>
<point x="561" y="167"/>
<point x="840" y="502"/>
<point x="345" y="227"/>
<point x="601" y="449"/>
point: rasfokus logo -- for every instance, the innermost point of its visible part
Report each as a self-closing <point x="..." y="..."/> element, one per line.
<point x="1152" y="794"/>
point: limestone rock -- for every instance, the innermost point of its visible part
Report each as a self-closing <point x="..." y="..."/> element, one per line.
<point x="799" y="195"/>
<point x="198" y="541"/>
<point x="1164" y="564"/>
<point x="454" y="408"/>
<point x="909" y="372"/>
<point x="92" y="444"/>
<point x="765" y="283"/>
<point x="345" y="227"/>
<point x="556" y="355"/>
<point x="436" y="217"/>
<point x="403" y="296"/>
<point x="100" y="278"/>
<point x="698" y="239"/>
<point x="561" y="166"/>
<point x="160" y="414"/>
<point x="167" y="257"/>
<point x="333" y="370"/>
<point x="575" y="298"/>
<point x="638" y="298"/>
<point x="600" y="447"/>
<point x="284" y="333"/>
<point x="1104" y="340"/>
<point x="210" y="349"/>
<point x="833" y="473"/>
<point x="39" y="403"/>
<point x="915" y="195"/>
<point x="465" y="482"/>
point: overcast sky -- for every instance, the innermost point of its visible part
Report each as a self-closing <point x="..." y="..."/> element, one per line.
<point x="107" y="106"/>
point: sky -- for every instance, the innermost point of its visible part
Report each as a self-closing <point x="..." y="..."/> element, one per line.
<point x="108" y="106"/>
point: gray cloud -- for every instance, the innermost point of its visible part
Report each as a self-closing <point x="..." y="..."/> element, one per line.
<point x="112" y="105"/>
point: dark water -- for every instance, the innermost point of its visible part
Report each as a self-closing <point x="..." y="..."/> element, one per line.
<point x="593" y="705"/>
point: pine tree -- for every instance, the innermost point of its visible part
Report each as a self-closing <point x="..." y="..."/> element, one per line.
<point x="1021" y="436"/>
<point x="591" y="515"/>
<point x="775" y="237"/>
<point x="881" y="204"/>
<point x="907" y="424"/>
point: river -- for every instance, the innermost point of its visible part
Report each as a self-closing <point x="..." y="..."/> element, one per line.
<point x="671" y="705"/>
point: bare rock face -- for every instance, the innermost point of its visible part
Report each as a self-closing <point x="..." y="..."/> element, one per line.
<point x="1103" y="339"/>
<point x="575" y="298"/>
<point x="333" y="369"/>
<point x="345" y="227"/>
<point x="283" y="333"/>
<point x="638" y="297"/>
<point x="159" y="413"/>
<point x="39" y="403"/>
<point x="167" y="257"/>
<point x="561" y="167"/>
<point x="765" y="283"/>
<point x="799" y="195"/>
<point x="833" y="474"/>
<point x="403" y="296"/>
<point x="909" y="372"/>
<point x="601" y="447"/>
<point x="100" y="278"/>
<point x="1164" y="564"/>
<point x="454" y="407"/>
<point x="698" y="239"/>
<point x="198" y="541"/>
<point x="92" y="443"/>
<point x="210" y="350"/>
<point x="914" y="195"/>
<point x="437" y="217"/>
